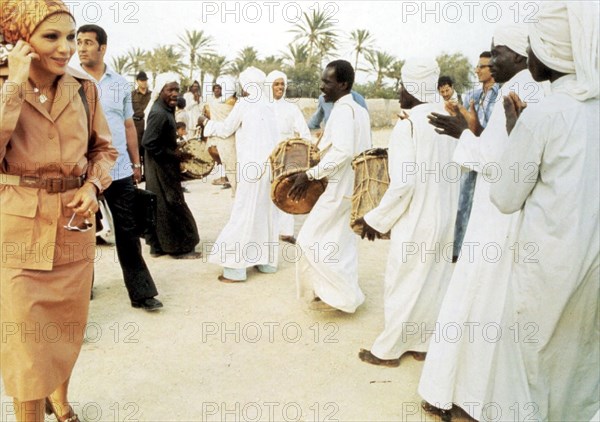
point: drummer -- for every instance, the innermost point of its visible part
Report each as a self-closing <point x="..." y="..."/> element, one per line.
<point x="250" y="236"/>
<point x="420" y="208"/>
<point x="290" y="124"/>
<point x="327" y="272"/>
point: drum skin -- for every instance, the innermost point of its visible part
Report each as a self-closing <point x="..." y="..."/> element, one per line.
<point x="200" y="164"/>
<point x="371" y="181"/>
<point x="290" y="157"/>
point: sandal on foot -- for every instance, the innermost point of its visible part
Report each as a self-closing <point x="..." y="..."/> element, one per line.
<point x="367" y="356"/>
<point x="70" y="416"/>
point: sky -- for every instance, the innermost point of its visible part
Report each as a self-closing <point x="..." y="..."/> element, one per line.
<point x="401" y="28"/>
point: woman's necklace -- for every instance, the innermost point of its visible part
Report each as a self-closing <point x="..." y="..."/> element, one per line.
<point x="42" y="98"/>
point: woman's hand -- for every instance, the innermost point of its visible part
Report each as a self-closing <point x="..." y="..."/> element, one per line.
<point x="19" y="61"/>
<point x="85" y="201"/>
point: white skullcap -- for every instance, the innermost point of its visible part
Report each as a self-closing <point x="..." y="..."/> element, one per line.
<point x="270" y="80"/>
<point x="564" y="37"/>
<point x="160" y="82"/>
<point x="512" y="36"/>
<point x="251" y="81"/>
<point x="419" y="77"/>
<point x="227" y="84"/>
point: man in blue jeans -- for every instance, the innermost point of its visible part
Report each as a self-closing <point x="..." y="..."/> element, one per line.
<point x="115" y="97"/>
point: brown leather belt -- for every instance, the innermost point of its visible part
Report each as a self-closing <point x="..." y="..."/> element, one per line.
<point x="49" y="184"/>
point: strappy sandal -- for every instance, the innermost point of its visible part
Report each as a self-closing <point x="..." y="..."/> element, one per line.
<point x="444" y="415"/>
<point x="71" y="416"/>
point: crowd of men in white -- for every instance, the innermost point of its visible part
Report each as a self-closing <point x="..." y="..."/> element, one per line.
<point x="542" y="197"/>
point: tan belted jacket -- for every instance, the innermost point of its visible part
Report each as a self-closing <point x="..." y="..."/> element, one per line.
<point x="34" y="142"/>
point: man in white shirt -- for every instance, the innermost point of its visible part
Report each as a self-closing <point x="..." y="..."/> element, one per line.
<point x="290" y="124"/>
<point x="327" y="271"/>
<point x="419" y="208"/>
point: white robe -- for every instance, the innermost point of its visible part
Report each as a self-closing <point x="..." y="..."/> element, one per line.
<point x="328" y="266"/>
<point x="250" y="236"/>
<point x="226" y="146"/>
<point x="459" y="361"/>
<point x="420" y="209"/>
<point x="194" y="110"/>
<point x="555" y="147"/>
<point x="290" y="124"/>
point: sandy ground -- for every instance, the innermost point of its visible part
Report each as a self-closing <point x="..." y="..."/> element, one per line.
<point x="244" y="352"/>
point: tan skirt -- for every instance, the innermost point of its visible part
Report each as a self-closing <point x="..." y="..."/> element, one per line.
<point x="43" y="315"/>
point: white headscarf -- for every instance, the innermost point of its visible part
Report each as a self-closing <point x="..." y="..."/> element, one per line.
<point x="270" y="80"/>
<point x="565" y="38"/>
<point x="161" y="80"/>
<point x="512" y="36"/>
<point x="419" y="77"/>
<point x="227" y="84"/>
<point x="252" y="81"/>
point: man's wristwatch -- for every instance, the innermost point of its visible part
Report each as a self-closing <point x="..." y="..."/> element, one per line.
<point x="136" y="166"/>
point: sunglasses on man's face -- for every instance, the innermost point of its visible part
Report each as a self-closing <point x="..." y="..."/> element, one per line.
<point x="81" y="226"/>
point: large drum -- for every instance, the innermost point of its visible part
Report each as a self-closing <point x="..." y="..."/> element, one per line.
<point x="200" y="163"/>
<point x="291" y="157"/>
<point x="371" y="181"/>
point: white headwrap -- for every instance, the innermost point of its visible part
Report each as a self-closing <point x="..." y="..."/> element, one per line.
<point x="160" y="82"/>
<point x="512" y="36"/>
<point x="419" y="77"/>
<point x="565" y="38"/>
<point x="227" y="84"/>
<point x="251" y="81"/>
<point x="270" y="80"/>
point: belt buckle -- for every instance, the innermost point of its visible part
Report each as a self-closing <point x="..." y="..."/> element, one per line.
<point x="55" y="185"/>
<point x="31" y="181"/>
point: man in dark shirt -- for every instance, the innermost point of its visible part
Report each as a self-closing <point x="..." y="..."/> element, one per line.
<point x="140" y="97"/>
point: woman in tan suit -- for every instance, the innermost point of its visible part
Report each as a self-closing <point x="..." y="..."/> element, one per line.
<point x="55" y="154"/>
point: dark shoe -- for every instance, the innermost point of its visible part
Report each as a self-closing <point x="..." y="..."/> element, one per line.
<point x="367" y="356"/>
<point x="226" y="186"/>
<point x="155" y="253"/>
<point x="70" y="416"/>
<point x="189" y="255"/>
<point x="150" y="304"/>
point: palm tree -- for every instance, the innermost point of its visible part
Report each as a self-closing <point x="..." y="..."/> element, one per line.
<point x="314" y="29"/>
<point x="270" y="63"/>
<point x="121" y="64"/>
<point x="363" y="41"/>
<point x="247" y="56"/>
<point x="137" y="57"/>
<point x="395" y="72"/>
<point x="195" y="44"/>
<point x="214" y="65"/>
<point x="326" y="47"/>
<point x="296" y="56"/>
<point x="380" y="62"/>
<point x="163" y="58"/>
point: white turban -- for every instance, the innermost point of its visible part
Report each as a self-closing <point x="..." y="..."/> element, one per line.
<point x="227" y="84"/>
<point x="270" y="80"/>
<point x="251" y="81"/>
<point x="565" y="38"/>
<point x="419" y="78"/>
<point x="512" y="36"/>
<point x="160" y="82"/>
